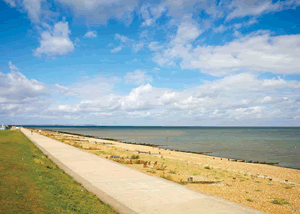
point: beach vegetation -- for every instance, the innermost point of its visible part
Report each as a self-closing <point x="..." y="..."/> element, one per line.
<point x="289" y="186"/>
<point x="207" y="167"/>
<point x="196" y="173"/>
<point x="135" y="157"/>
<point x="32" y="183"/>
<point x="248" y="199"/>
<point x="173" y="171"/>
<point x="168" y="177"/>
<point x="279" y="201"/>
<point x="103" y="153"/>
<point x="257" y="182"/>
<point x="258" y="190"/>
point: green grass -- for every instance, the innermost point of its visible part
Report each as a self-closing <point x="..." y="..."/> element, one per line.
<point x="279" y="201"/>
<point x="249" y="200"/>
<point x="289" y="187"/>
<point x="32" y="183"/>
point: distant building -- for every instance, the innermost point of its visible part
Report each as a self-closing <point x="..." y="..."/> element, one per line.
<point x="3" y="127"/>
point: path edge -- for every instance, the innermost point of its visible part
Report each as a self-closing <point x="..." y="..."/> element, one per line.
<point x="105" y="198"/>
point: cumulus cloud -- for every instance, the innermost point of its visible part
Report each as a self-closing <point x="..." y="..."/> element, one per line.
<point x="18" y="94"/>
<point x="91" y="34"/>
<point x="137" y="77"/>
<point x="254" y="52"/>
<point x="55" y="41"/>
<point x="238" y="98"/>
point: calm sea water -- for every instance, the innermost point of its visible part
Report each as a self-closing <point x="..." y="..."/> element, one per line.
<point x="258" y="144"/>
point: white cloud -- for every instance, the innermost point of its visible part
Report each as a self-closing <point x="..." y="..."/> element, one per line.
<point x="255" y="52"/>
<point x="11" y="3"/>
<point x="154" y="46"/>
<point x="137" y="77"/>
<point x="187" y="31"/>
<point x="150" y="14"/>
<point x="137" y="46"/>
<point x="91" y="34"/>
<point x="249" y="7"/>
<point x="241" y="97"/>
<point x="33" y="8"/>
<point x="55" y="41"/>
<point x="98" y="12"/>
<point x="12" y="67"/>
<point x="123" y="39"/>
<point x="116" y="49"/>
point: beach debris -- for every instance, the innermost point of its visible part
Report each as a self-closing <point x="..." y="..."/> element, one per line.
<point x="145" y="164"/>
<point x="155" y="164"/>
<point x="114" y="156"/>
<point x="234" y="178"/>
<point x="221" y="159"/>
<point x="286" y="181"/>
<point x="190" y="179"/>
<point x="270" y="179"/>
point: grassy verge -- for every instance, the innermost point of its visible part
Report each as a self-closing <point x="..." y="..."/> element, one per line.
<point x="32" y="183"/>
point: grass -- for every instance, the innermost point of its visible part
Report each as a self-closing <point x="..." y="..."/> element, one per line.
<point x="249" y="200"/>
<point x="207" y="167"/>
<point x="279" y="201"/>
<point x="32" y="183"/>
<point x="289" y="187"/>
<point x="135" y="157"/>
<point x="168" y="177"/>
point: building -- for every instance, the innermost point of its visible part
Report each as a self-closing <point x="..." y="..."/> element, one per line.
<point x="3" y="127"/>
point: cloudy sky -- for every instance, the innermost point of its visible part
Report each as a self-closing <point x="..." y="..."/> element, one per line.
<point x="169" y="62"/>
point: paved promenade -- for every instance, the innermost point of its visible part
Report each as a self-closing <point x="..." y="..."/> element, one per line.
<point x="127" y="190"/>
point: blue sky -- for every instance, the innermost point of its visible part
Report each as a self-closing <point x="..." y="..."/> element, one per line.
<point x="202" y="63"/>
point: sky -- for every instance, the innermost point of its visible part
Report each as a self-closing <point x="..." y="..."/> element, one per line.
<point x="150" y="63"/>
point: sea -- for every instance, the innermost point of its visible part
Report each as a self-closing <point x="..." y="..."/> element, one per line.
<point x="263" y="144"/>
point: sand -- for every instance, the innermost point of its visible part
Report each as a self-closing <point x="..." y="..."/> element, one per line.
<point x="268" y="188"/>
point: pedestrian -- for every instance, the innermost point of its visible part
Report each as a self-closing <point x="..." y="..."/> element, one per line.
<point x="40" y="131"/>
<point x="31" y="131"/>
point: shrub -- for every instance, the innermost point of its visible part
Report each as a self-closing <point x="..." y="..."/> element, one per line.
<point x="135" y="157"/>
<point x="207" y="167"/>
<point x="249" y="200"/>
<point x="279" y="201"/>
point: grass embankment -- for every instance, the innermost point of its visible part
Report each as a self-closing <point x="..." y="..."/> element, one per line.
<point x="245" y="183"/>
<point x="32" y="183"/>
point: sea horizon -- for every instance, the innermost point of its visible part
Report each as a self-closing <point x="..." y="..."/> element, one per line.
<point x="263" y="144"/>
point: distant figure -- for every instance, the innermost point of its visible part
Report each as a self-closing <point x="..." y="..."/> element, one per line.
<point x="31" y="131"/>
<point x="40" y="131"/>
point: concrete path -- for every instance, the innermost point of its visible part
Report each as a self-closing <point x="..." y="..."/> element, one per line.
<point x="128" y="190"/>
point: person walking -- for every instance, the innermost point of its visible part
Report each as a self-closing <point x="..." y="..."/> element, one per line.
<point x="40" y="131"/>
<point x="31" y="131"/>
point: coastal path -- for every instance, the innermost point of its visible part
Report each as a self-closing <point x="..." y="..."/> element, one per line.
<point x="128" y="190"/>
